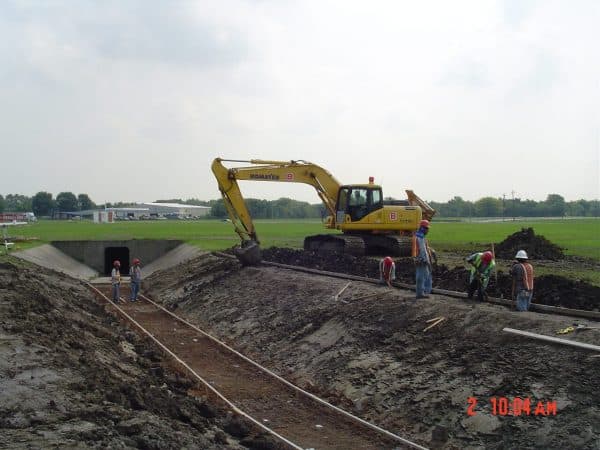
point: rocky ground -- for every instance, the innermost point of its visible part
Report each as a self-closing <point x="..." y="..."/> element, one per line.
<point x="71" y="376"/>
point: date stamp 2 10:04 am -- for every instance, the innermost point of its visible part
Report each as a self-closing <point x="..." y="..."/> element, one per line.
<point x="516" y="406"/>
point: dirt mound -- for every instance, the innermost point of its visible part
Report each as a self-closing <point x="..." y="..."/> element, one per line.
<point x="537" y="247"/>
<point x="549" y="289"/>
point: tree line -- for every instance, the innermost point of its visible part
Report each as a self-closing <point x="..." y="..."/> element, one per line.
<point x="44" y="204"/>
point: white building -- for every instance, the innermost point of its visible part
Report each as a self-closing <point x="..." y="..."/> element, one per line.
<point x="176" y="210"/>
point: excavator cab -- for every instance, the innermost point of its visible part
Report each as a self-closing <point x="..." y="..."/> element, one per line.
<point x="357" y="201"/>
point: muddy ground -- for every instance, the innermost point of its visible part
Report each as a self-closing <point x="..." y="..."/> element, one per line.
<point x="370" y="355"/>
<point x="551" y="290"/>
<point x="71" y="376"/>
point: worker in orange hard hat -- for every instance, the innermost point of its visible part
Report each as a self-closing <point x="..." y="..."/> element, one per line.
<point x="135" y="279"/>
<point x="387" y="271"/>
<point x="482" y="265"/>
<point x="422" y="262"/>
<point x="115" y="279"/>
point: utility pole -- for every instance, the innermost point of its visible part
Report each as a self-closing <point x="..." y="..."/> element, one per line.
<point x="513" y="204"/>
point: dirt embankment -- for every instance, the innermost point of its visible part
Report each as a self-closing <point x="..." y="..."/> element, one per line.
<point x="369" y="354"/>
<point x="71" y="376"/>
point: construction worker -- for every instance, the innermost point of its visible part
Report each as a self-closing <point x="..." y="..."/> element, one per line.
<point x="522" y="275"/>
<point x="115" y="279"/>
<point x="422" y="262"/>
<point x="482" y="266"/>
<point x="135" y="275"/>
<point x="433" y="259"/>
<point x="387" y="271"/>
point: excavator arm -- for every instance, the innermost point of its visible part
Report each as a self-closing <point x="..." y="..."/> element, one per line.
<point x="325" y="184"/>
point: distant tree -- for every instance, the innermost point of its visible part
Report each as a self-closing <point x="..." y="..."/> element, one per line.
<point x="555" y="205"/>
<point x="2" y="204"/>
<point x="488" y="207"/>
<point x="594" y="209"/>
<point x="576" y="208"/>
<point x="84" y="202"/>
<point x="217" y="209"/>
<point x="17" y="203"/>
<point x="66" y="201"/>
<point x="42" y="204"/>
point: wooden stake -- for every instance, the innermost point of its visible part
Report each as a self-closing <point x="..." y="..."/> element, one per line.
<point x="342" y="290"/>
<point x="434" y="319"/>
<point x="440" y="320"/>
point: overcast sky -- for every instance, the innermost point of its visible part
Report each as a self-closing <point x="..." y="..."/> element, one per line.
<point x="132" y="100"/>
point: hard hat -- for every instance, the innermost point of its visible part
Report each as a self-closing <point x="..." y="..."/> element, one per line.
<point x="117" y="263"/>
<point x="136" y="261"/>
<point x="521" y="254"/>
<point x="424" y="223"/>
<point x="388" y="260"/>
<point x="486" y="257"/>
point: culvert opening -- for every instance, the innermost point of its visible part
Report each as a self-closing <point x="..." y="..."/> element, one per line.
<point x="112" y="254"/>
<point x="99" y="255"/>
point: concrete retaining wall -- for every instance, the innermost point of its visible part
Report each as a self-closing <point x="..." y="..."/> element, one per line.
<point x="99" y="254"/>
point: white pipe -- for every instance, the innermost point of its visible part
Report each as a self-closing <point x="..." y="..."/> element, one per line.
<point x="554" y="340"/>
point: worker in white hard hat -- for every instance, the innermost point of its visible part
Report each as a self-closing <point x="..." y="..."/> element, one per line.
<point x="522" y="275"/>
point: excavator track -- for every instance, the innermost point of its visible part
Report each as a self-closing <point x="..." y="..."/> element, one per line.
<point x="389" y="245"/>
<point x="338" y="243"/>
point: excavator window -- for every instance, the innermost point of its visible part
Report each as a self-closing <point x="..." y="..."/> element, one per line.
<point x="358" y="201"/>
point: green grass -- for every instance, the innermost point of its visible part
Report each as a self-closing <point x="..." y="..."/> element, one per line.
<point x="578" y="237"/>
<point x="206" y="234"/>
<point x="451" y="239"/>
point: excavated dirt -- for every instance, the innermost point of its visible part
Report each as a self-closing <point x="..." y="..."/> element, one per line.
<point x="71" y="376"/>
<point x="537" y="247"/>
<point x="549" y="289"/>
<point x="368" y="353"/>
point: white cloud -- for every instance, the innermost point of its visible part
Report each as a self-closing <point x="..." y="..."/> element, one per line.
<point x="134" y="99"/>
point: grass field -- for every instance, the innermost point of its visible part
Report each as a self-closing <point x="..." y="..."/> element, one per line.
<point x="577" y="237"/>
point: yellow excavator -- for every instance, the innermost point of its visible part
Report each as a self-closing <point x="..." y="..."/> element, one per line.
<point x="368" y="224"/>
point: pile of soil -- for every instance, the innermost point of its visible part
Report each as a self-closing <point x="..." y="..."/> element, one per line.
<point x="71" y="376"/>
<point x="537" y="247"/>
<point x="369" y="354"/>
<point x="549" y="289"/>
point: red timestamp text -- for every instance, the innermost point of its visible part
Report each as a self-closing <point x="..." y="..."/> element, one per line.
<point x="516" y="406"/>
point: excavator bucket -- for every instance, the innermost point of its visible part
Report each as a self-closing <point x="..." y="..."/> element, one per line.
<point x="249" y="253"/>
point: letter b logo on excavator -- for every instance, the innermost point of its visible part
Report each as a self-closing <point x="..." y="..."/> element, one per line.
<point x="393" y="215"/>
<point x="289" y="177"/>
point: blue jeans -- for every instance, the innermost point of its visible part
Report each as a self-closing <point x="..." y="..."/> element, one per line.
<point x="135" y="288"/>
<point x="428" y="281"/>
<point x="422" y="271"/>
<point x="116" y="293"/>
<point x="524" y="300"/>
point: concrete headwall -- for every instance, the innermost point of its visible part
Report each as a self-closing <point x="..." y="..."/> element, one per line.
<point x="95" y="253"/>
